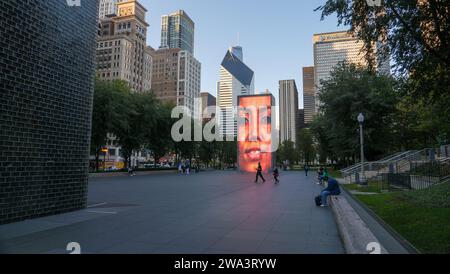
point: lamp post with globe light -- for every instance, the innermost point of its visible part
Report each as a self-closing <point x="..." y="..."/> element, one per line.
<point x="361" y="119"/>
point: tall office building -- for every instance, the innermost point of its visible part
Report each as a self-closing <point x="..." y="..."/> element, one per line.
<point x="238" y="52"/>
<point x="107" y="7"/>
<point x="308" y="95"/>
<point x="177" y="78"/>
<point x="301" y="120"/>
<point x="334" y="47"/>
<point x="288" y="110"/>
<point x="122" y="52"/>
<point x="46" y="97"/>
<point x="236" y="79"/>
<point x="208" y="100"/>
<point x="177" y="31"/>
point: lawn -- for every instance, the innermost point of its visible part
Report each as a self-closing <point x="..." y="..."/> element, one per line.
<point x="372" y="186"/>
<point x="422" y="217"/>
<point x="334" y="173"/>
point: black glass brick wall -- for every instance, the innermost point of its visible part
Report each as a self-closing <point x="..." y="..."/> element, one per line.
<point x="47" y="51"/>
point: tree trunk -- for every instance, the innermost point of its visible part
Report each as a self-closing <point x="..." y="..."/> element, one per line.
<point x="97" y="160"/>
<point x="156" y="158"/>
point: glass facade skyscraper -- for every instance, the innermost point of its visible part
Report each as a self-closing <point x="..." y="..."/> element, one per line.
<point x="177" y="31"/>
<point x="332" y="48"/>
<point x="236" y="79"/>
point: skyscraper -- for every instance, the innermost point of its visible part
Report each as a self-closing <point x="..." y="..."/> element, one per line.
<point x="108" y="7"/>
<point x="176" y="78"/>
<point x="301" y="120"/>
<point x="334" y="47"/>
<point x="236" y="79"/>
<point x="177" y="31"/>
<point x="308" y="95"/>
<point x="208" y="100"/>
<point x="238" y="52"/>
<point x="288" y="110"/>
<point x="45" y="106"/>
<point x="122" y="52"/>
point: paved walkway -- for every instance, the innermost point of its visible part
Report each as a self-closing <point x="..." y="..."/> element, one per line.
<point x="212" y="212"/>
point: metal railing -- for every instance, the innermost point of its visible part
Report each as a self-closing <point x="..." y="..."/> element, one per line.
<point x="357" y="167"/>
<point x="420" y="175"/>
<point x="400" y="163"/>
<point x="374" y="169"/>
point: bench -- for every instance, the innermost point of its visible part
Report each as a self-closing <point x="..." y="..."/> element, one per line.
<point x="356" y="235"/>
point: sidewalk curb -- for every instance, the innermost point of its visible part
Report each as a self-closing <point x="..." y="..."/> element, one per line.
<point x="355" y="234"/>
<point x="400" y="239"/>
<point x="125" y="174"/>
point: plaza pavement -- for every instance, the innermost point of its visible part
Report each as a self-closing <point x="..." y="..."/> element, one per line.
<point x="207" y="213"/>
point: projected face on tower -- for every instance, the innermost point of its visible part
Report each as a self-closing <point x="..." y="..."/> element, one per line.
<point x="255" y="132"/>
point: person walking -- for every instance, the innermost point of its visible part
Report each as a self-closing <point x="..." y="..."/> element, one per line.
<point x="276" y="174"/>
<point x="320" y="176"/>
<point x="259" y="173"/>
<point x="130" y="171"/>
<point x="188" y="167"/>
<point x="306" y="168"/>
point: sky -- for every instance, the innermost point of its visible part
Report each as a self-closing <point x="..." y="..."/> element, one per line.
<point x="276" y="36"/>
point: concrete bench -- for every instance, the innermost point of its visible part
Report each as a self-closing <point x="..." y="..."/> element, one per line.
<point x="356" y="235"/>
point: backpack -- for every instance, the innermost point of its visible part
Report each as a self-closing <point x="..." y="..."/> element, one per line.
<point x="318" y="200"/>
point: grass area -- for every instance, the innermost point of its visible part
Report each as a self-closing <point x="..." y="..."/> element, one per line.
<point x="331" y="172"/>
<point x="334" y="173"/>
<point x="373" y="187"/>
<point x="422" y="217"/>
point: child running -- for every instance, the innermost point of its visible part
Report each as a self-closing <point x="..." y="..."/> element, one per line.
<point x="276" y="174"/>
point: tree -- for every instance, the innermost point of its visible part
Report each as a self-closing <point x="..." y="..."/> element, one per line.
<point x="287" y="152"/>
<point x="227" y="152"/>
<point x="320" y="135"/>
<point x="208" y="151"/>
<point x="352" y="90"/>
<point x="158" y="138"/>
<point x="305" y="146"/>
<point x="106" y="110"/>
<point x="416" y="34"/>
<point x="127" y="126"/>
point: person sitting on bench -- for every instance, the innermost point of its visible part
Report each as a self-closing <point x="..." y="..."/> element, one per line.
<point x="332" y="190"/>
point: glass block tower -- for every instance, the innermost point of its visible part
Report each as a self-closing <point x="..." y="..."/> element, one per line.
<point x="47" y="53"/>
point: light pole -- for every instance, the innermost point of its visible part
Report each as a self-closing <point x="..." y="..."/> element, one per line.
<point x="361" y="118"/>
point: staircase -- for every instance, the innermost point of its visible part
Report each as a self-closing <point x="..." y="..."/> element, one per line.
<point x="373" y="169"/>
<point x="409" y="170"/>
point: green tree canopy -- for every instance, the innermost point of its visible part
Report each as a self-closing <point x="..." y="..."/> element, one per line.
<point x="416" y="34"/>
<point x="108" y="112"/>
<point x="352" y="90"/>
<point x="305" y="146"/>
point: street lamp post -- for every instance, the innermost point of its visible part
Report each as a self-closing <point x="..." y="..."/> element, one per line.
<point x="361" y="119"/>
